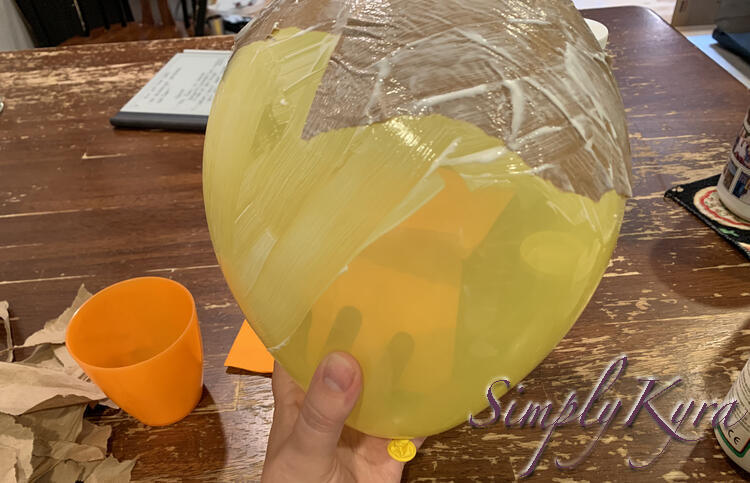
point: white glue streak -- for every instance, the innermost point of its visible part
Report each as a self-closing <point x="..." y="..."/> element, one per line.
<point x="384" y="69"/>
<point x="485" y="156"/>
<point x="534" y="21"/>
<point x="518" y="101"/>
<point x="450" y="96"/>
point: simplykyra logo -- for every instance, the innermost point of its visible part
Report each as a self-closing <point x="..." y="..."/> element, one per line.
<point x="578" y="410"/>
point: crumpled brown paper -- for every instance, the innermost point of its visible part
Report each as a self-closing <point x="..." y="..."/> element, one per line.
<point x="16" y="443"/>
<point x="54" y="330"/>
<point x="31" y="388"/>
<point x="43" y="436"/>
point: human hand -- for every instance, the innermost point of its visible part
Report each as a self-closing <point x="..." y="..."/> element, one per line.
<point x="308" y="439"/>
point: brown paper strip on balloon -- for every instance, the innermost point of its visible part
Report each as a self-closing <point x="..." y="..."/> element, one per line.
<point x="547" y="88"/>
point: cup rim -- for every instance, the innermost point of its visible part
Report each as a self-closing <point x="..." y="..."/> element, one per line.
<point x="74" y="319"/>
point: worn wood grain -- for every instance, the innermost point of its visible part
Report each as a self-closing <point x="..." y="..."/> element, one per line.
<point x="81" y="202"/>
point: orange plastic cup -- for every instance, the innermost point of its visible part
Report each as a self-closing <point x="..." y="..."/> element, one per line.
<point x="139" y="341"/>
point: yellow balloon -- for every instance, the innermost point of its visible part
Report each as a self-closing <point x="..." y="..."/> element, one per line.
<point x="420" y="245"/>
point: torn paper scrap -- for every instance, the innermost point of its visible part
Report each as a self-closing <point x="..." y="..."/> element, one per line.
<point x="111" y="471"/>
<point x="57" y="424"/>
<point x="43" y="356"/>
<point x="7" y="465"/>
<point x="54" y="330"/>
<point x="57" y="357"/>
<point x="62" y="471"/>
<point x="95" y="435"/>
<point x="59" y="434"/>
<point x="27" y="388"/>
<point x="67" y="361"/>
<point x="69" y="365"/>
<point x="20" y="440"/>
<point x="66" y="450"/>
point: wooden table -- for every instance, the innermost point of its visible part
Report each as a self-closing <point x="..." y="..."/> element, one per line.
<point x="81" y="202"/>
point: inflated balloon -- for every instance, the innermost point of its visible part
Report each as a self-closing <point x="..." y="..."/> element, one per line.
<point x="434" y="187"/>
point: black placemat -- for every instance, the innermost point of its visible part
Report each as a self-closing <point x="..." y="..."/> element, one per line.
<point x="700" y="198"/>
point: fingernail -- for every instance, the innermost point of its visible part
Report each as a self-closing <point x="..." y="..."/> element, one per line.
<point x="339" y="373"/>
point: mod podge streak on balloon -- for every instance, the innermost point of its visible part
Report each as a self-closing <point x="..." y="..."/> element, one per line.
<point x="421" y="245"/>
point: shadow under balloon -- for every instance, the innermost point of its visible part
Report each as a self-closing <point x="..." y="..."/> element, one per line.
<point x="723" y="368"/>
<point x="729" y="359"/>
<point x="708" y="282"/>
<point x="714" y="276"/>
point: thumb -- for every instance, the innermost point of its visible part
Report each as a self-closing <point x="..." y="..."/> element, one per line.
<point x="333" y="391"/>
